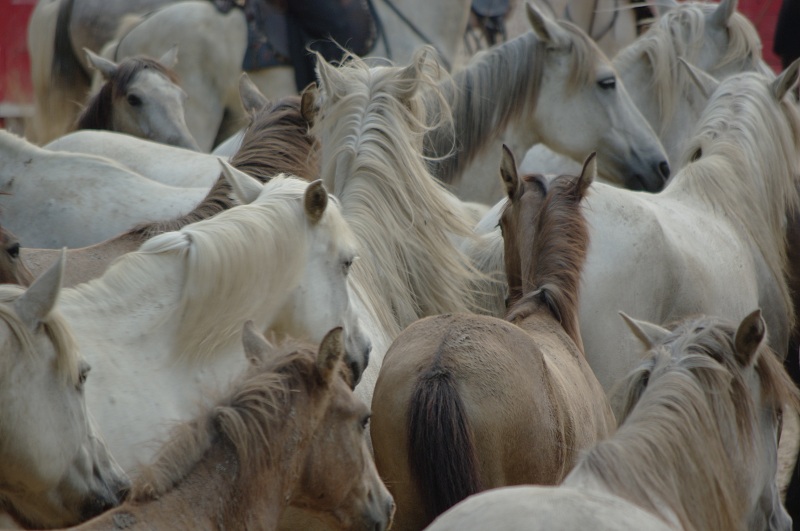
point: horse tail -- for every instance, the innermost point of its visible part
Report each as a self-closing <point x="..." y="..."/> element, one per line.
<point x="66" y="70"/>
<point x="441" y="449"/>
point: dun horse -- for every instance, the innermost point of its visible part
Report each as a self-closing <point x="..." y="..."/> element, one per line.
<point x="696" y="447"/>
<point x="465" y="402"/>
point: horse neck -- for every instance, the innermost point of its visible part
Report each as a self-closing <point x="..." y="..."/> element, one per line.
<point x="405" y="223"/>
<point x="551" y="272"/>
<point x="670" y="458"/>
<point x="509" y="76"/>
<point x="211" y="496"/>
<point x="16" y="154"/>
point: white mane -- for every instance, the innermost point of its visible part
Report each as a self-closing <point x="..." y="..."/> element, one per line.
<point x="238" y="265"/>
<point x="680" y="33"/>
<point x="741" y="174"/>
<point x="371" y="125"/>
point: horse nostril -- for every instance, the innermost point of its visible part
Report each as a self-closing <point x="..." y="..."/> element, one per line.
<point x="663" y="169"/>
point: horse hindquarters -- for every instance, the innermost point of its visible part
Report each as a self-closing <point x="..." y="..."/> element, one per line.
<point x="423" y="443"/>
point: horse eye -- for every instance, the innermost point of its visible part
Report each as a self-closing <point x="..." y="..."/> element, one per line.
<point x="134" y="100"/>
<point x="83" y="373"/>
<point x="346" y="266"/>
<point x="696" y="155"/>
<point x="13" y="251"/>
<point x="365" y="421"/>
<point x="608" y="83"/>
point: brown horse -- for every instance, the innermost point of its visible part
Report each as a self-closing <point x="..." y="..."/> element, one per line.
<point x="465" y="402"/>
<point x="277" y="141"/>
<point x="291" y="431"/>
<point x="12" y="269"/>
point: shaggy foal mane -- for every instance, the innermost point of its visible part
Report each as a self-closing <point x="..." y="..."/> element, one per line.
<point x="276" y="141"/>
<point x="249" y="418"/>
<point x="99" y="109"/>
<point x="684" y="406"/>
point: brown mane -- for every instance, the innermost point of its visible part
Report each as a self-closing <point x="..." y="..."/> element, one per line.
<point x="276" y="141"/>
<point x="98" y="111"/>
<point x="560" y="240"/>
<point x="249" y="417"/>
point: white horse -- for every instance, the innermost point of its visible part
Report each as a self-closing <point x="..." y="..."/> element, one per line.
<point x="162" y="325"/>
<point x="713" y="37"/>
<point x="139" y="96"/>
<point x="213" y="47"/>
<point x="696" y="448"/>
<point x="55" y="468"/>
<point x="370" y="122"/>
<point x="555" y="87"/>
<point x="67" y="199"/>
<point x="159" y="162"/>
<point x="711" y="242"/>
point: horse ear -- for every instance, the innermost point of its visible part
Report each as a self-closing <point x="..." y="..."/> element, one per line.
<point x="252" y="98"/>
<point x="316" y="200"/>
<point x="38" y="301"/>
<point x="308" y="102"/>
<point x="545" y="29"/>
<point x="723" y="13"/>
<point x="330" y="79"/>
<point x="256" y="346"/>
<point x="749" y="337"/>
<point x="245" y="188"/>
<point x="648" y="333"/>
<point x="508" y="174"/>
<point x="588" y="175"/>
<point x="704" y="81"/>
<point x="106" y="68"/>
<point x="784" y="82"/>
<point x="170" y="57"/>
<point x="331" y="352"/>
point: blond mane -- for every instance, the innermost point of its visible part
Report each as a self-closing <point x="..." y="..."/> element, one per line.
<point x="250" y="417"/>
<point x="680" y="33"/>
<point x="688" y="424"/>
<point x="239" y="265"/>
<point x="54" y="327"/>
<point x="750" y="181"/>
<point x="371" y="125"/>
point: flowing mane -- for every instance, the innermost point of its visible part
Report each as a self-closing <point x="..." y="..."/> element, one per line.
<point x="98" y="112"/>
<point x="230" y="257"/>
<point x="680" y="406"/>
<point x="55" y="327"/>
<point x="739" y="174"/>
<point x="679" y="33"/>
<point x="249" y="418"/>
<point x="510" y="76"/>
<point x="371" y="125"/>
<point x="276" y="141"/>
<point x="560" y="241"/>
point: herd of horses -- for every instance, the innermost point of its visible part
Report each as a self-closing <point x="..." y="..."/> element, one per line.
<point x="341" y="318"/>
